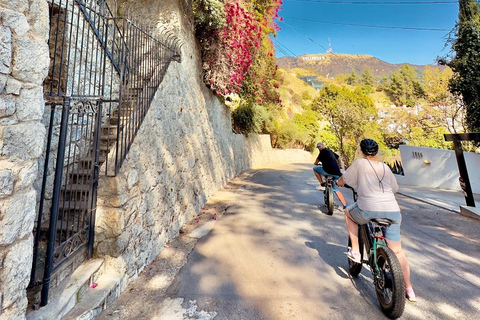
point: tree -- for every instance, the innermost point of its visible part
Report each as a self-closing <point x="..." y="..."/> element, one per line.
<point x="352" y="78"/>
<point x="367" y="77"/>
<point x="438" y="96"/>
<point x="466" y="63"/>
<point x="350" y="115"/>
<point x="404" y="87"/>
<point x="307" y="124"/>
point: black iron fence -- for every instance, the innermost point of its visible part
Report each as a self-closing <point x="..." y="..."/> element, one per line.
<point x="103" y="75"/>
<point x="396" y="167"/>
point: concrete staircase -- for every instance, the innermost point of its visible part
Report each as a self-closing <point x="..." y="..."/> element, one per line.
<point x="82" y="295"/>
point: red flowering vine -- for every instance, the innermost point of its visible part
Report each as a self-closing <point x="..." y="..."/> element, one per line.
<point x="238" y="55"/>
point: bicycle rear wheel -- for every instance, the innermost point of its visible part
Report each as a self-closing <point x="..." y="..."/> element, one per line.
<point x="389" y="284"/>
<point x="328" y="198"/>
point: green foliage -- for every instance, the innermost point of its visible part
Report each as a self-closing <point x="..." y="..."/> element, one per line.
<point x="429" y="137"/>
<point x="466" y="63"/>
<point x="368" y="78"/>
<point x="288" y="135"/>
<point x="353" y="78"/>
<point x="251" y="117"/>
<point x="308" y="126"/>
<point x="367" y="89"/>
<point x="242" y="117"/>
<point x="404" y="87"/>
<point x="350" y="115"/>
<point x="208" y="15"/>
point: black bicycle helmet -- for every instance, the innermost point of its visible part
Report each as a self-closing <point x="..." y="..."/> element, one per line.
<point x="369" y="147"/>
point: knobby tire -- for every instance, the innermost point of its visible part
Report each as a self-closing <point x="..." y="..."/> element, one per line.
<point x="329" y="200"/>
<point x="390" y="286"/>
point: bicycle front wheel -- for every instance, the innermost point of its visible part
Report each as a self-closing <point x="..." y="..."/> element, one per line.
<point x="389" y="284"/>
<point x="328" y="197"/>
<point x="353" y="267"/>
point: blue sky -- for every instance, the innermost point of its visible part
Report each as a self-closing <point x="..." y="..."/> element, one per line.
<point x="309" y="24"/>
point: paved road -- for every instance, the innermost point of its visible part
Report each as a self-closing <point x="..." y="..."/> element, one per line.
<point x="275" y="254"/>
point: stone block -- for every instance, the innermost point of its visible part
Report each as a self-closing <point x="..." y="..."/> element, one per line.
<point x="30" y="105"/>
<point x="17" y="215"/>
<point x="38" y="18"/>
<point x="17" y="5"/>
<point x="3" y="82"/>
<point x="27" y="175"/>
<point x="7" y="106"/>
<point x="13" y="86"/>
<point x="5" y="50"/>
<point x="110" y="221"/>
<point x="16" y="21"/>
<point x="6" y="183"/>
<point x="30" y="60"/>
<point x="23" y="141"/>
<point x="16" y="271"/>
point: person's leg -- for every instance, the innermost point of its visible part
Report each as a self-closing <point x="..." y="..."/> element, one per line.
<point x="319" y="172"/>
<point x="319" y="176"/>
<point x="341" y="198"/>
<point x="396" y="247"/>
<point x="337" y="191"/>
<point x="352" y="228"/>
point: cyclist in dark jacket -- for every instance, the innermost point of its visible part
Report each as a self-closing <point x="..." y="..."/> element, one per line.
<point x="330" y="166"/>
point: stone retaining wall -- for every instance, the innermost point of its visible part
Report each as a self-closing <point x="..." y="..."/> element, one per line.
<point x="23" y="67"/>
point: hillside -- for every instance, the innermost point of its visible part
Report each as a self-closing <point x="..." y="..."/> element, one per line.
<point x="332" y="64"/>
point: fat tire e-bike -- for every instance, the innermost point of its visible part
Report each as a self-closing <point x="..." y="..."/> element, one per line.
<point x="384" y="266"/>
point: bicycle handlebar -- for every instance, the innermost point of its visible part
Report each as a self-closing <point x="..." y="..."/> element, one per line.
<point x="353" y="190"/>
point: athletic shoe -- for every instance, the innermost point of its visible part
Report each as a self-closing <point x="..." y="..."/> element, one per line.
<point x="410" y="295"/>
<point x="354" y="256"/>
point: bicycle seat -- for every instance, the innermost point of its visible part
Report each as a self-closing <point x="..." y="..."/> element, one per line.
<point x="385" y="222"/>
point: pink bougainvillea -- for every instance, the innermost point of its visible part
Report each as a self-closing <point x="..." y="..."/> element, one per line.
<point x="239" y="57"/>
<point x="229" y="58"/>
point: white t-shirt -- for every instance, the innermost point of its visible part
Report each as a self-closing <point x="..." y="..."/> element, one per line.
<point x="364" y="176"/>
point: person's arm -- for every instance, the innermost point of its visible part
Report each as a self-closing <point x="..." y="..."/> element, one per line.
<point x="393" y="180"/>
<point x="316" y="162"/>
<point x="349" y="176"/>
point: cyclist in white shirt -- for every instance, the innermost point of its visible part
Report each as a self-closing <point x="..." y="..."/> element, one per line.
<point x="376" y="186"/>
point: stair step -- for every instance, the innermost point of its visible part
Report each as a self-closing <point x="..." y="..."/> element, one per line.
<point x="109" y="129"/>
<point x="74" y="205"/>
<point x="64" y="297"/>
<point x="94" y="300"/>
<point x="76" y="189"/>
<point x="87" y="162"/>
<point x="108" y="137"/>
<point x="84" y="176"/>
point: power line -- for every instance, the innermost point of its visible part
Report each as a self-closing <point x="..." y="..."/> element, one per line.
<point x="378" y="3"/>
<point x="368" y="26"/>
<point x="284" y="49"/>
<point x="303" y="35"/>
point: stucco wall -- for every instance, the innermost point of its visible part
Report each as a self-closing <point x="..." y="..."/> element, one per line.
<point x="442" y="172"/>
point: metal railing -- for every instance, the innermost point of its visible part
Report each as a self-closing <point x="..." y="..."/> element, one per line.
<point x="103" y="75"/>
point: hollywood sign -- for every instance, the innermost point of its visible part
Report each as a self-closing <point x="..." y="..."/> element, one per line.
<point x="314" y="58"/>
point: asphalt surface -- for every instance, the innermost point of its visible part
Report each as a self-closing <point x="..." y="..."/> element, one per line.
<point x="271" y="252"/>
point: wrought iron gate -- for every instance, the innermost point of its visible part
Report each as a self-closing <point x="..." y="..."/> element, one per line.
<point x="103" y="75"/>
